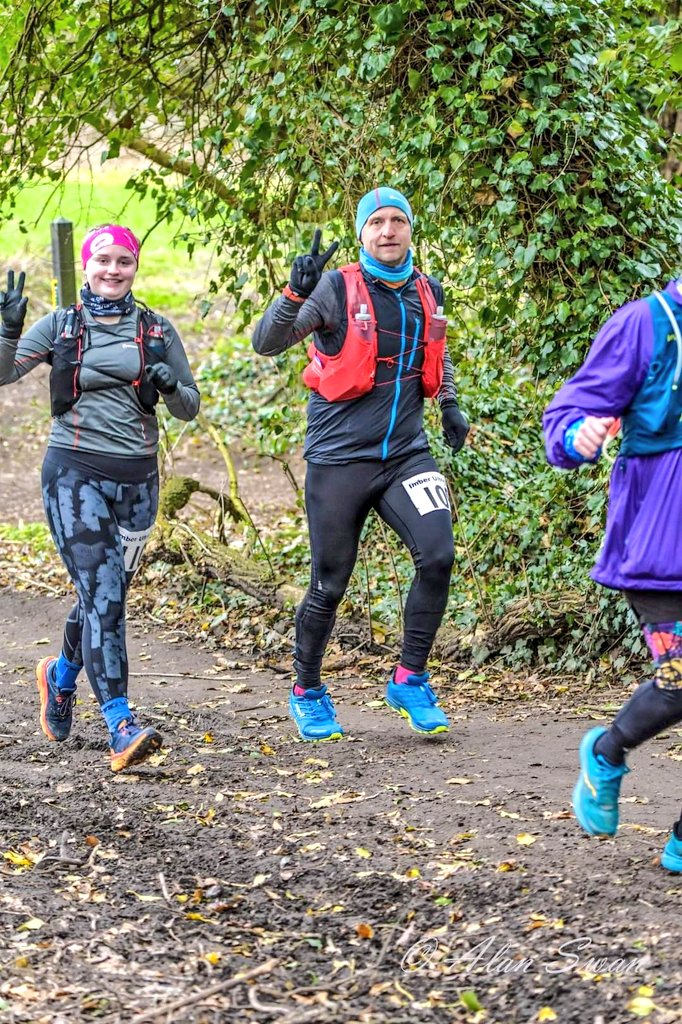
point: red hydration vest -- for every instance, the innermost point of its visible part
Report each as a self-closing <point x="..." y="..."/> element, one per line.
<point x="351" y="373"/>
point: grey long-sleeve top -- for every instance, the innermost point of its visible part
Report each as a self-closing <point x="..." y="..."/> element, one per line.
<point x="107" y="419"/>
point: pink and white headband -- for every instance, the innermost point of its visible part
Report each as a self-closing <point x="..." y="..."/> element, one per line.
<point x="109" y="234"/>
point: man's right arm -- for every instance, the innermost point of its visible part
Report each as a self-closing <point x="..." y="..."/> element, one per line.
<point x="288" y="321"/>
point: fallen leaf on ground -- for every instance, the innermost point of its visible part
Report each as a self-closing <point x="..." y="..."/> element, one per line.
<point x="469" y="1000"/>
<point x="343" y="796"/>
<point x="32" y="925"/>
<point x="641" y="1006"/>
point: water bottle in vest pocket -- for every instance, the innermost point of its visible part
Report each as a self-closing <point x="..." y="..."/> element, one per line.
<point x="435" y="338"/>
<point x="351" y="373"/>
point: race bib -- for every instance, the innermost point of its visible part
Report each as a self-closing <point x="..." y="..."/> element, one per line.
<point x="133" y="542"/>
<point x="428" y="492"/>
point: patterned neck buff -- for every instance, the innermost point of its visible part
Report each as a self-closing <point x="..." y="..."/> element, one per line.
<point x="389" y="275"/>
<point x="99" y="306"/>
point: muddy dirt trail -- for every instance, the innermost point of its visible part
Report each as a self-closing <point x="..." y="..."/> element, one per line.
<point x="382" y="878"/>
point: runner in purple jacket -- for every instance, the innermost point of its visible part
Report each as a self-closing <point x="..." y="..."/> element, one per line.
<point x="632" y="374"/>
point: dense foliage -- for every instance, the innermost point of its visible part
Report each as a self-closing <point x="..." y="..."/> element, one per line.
<point x="522" y="132"/>
<point x="527" y="134"/>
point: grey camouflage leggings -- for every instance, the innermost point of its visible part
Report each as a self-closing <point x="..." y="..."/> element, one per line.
<point x="100" y="528"/>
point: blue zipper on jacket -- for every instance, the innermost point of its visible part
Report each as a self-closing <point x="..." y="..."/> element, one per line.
<point x="396" y="396"/>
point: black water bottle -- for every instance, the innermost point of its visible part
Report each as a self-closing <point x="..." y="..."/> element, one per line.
<point x="155" y="345"/>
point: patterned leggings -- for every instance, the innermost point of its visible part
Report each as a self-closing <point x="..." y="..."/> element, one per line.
<point x="664" y="640"/>
<point x="100" y="528"/>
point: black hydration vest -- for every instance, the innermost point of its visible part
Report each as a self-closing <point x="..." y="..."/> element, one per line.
<point x="67" y="356"/>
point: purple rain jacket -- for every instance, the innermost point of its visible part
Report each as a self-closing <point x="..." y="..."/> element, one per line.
<point x="642" y="548"/>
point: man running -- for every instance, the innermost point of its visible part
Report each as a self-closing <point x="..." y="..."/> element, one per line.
<point x="378" y="350"/>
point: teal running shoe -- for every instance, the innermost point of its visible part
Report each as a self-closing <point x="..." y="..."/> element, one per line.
<point x="595" y="797"/>
<point x="56" y="706"/>
<point x="415" y="700"/>
<point x="314" y="715"/>
<point x="671" y="858"/>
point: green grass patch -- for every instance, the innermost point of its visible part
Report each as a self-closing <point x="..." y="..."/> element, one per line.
<point x="168" y="280"/>
<point x="33" y="536"/>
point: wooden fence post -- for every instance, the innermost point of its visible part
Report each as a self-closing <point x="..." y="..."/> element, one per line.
<point x="63" y="270"/>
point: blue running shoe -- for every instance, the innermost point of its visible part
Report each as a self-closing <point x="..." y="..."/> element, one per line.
<point x="671" y="858"/>
<point x="595" y="797"/>
<point x="131" y="744"/>
<point x="314" y="715"/>
<point x="56" y="706"/>
<point x="415" y="700"/>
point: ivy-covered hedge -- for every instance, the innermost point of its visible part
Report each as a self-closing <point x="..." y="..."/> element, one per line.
<point x="526" y="134"/>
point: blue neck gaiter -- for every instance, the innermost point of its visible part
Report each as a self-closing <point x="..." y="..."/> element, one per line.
<point x="99" y="306"/>
<point x="391" y="275"/>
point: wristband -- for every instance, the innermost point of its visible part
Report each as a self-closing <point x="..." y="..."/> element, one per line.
<point x="289" y="294"/>
<point x="569" y="438"/>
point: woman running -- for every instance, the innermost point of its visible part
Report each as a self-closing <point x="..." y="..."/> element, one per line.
<point x="631" y="377"/>
<point x="111" y="358"/>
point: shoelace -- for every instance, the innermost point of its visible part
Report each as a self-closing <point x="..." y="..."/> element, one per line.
<point x="64" y="703"/>
<point x="430" y="693"/>
<point x="423" y="690"/>
<point x="607" y="781"/>
<point x="127" y="725"/>
<point x="609" y="772"/>
<point x="317" y="707"/>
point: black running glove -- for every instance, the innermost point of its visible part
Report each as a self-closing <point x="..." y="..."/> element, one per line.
<point x="13" y="307"/>
<point x="455" y="425"/>
<point x="306" y="271"/>
<point x="162" y="377"/>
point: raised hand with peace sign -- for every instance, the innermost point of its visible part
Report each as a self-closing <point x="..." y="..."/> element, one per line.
<point x="13" y="306"/>
<point x="306" y="270"/>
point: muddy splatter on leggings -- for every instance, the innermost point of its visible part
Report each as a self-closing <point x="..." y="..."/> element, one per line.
<point x="100" y="528"/>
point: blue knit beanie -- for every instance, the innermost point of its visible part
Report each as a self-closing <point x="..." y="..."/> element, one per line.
<point x="377" y="198"/>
